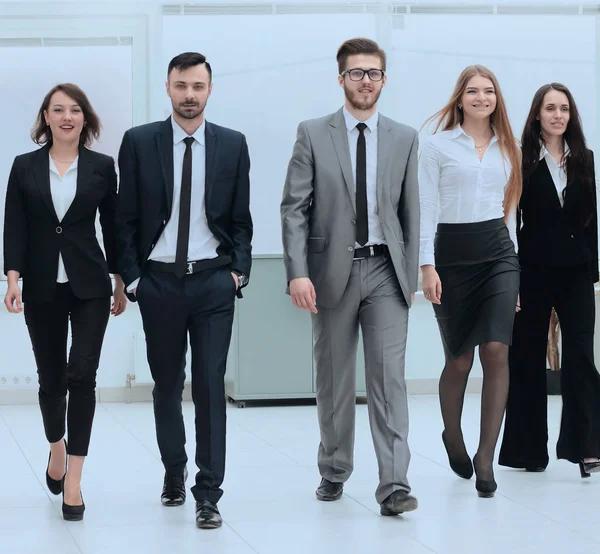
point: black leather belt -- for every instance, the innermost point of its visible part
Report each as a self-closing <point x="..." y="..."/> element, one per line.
<point x="192" y="267"/>
<point x="370" y="251"/>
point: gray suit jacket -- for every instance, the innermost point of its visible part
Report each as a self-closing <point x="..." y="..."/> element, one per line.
<point x="318" y="208"/>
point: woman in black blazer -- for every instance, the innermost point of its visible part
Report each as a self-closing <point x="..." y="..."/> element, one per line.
<point x="50" y="242"/>
<point x="558" y="252"/>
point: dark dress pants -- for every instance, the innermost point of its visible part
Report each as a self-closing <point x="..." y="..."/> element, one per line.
<point x="525" y="443"/>
<point x="48" y="324"/>
<point x="201" y="306"/>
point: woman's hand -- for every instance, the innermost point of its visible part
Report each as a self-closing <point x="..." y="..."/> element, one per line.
<point x="12" y="300"/>
<point x="518" y="308"/>
<point x="432" y="286"/>
<point x="119" y="299"/>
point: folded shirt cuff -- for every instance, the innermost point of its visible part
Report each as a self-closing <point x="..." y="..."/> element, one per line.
<point x="133" y="285"/>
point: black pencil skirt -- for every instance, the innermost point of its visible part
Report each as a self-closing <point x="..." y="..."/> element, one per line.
<point x="479" y="271"/>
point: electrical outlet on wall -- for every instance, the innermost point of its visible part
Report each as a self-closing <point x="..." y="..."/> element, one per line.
<point x="17" y="381"/>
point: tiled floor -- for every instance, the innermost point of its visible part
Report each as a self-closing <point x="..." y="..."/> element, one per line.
<point x="269" y="505"/>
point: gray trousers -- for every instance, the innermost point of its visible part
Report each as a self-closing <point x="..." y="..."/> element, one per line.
<point x="374" y="300"/>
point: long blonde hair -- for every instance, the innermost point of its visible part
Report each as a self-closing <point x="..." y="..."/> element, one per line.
<point x="450" y="116"/>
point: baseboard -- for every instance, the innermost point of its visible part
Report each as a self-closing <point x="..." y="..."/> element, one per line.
<point x="143" y="392"/>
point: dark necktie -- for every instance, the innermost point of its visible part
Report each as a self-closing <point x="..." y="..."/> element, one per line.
<point x="362" y="217"/>
<point x="185" y="201"/>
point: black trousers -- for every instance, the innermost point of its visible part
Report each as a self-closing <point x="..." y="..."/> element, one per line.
<point x="200" y="305"/>
<point x="48" y="324"/>
<point x="525" y="444"/>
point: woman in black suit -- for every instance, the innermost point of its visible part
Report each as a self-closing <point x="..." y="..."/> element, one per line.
<point x="558" y="251"/>
<point x="50" y="242"/>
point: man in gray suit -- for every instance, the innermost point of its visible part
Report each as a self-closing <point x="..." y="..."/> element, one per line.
<point x="350" y="220"/>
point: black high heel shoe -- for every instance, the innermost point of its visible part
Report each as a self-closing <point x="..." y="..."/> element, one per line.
<point x="72" y="513"/>
<point x="462" y="468"/>
<point x="485" y="488"/>
<point x="55" y="486"/>
<point x="587" y="468"/>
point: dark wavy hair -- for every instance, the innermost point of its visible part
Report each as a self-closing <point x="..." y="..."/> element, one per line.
<point x="579" y="163"/>
<point x="41" y="133"/>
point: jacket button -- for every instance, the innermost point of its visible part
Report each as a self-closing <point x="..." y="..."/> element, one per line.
<point x="354" y="222"/>
<point x="350" y="249"/>
<point x="59" y="230"/>
<point x="572" y="237"/>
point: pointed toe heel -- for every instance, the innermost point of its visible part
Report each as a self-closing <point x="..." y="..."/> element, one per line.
<point x="72" y="513"/>
<point x="462" y="468"/>
<point x="55" y="485"/>
<point x="485" y="489"/>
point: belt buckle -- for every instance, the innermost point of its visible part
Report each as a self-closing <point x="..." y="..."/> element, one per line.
<point x="189" y="268"/>
<point x="372" y="251"/>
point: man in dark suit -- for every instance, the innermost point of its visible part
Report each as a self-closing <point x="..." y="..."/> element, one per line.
<point x="184" y="233"/>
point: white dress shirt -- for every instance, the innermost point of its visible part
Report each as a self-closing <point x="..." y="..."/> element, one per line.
<point x="557" y="170"/>
<point x="375" y="231"/>
<point x="463" y="189"/>
<point x="63" y="190"/>
<point x="202" y="243"/>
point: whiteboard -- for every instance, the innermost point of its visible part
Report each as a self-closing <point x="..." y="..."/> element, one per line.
<point x="271" y="72"/>
<point x="104" y="74"/>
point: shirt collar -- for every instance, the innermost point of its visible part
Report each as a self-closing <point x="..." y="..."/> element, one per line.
<point x="179" y="134"/>
<point x="54" y="169"/>
<point x="458" y="131"/>
<point x="352" y="122"/>
<point x="544" y="151"/>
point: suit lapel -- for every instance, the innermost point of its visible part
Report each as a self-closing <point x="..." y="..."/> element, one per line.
<point x="164" y="144"/>
<point x="384" y="155"/>
<point x="41" y="175"/>
<point x="339" y="136"/>
<point x="211" y="145"/>
<point x="85" y="170"/>
<point x="550" y="184"/>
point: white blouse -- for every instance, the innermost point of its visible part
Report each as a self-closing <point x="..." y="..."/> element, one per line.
<point x="63" y="190"/>
<point x="463" y="189"/>
<point x="557" y="171"/>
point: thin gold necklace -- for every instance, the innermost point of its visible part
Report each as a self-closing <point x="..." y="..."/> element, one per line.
<point x="480" y="148"/>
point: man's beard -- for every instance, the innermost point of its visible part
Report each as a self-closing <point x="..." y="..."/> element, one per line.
<point x="190" y="111"/>
<point x="362" y="105"/>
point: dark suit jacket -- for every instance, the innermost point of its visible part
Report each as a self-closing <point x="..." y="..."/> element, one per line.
<point x="553" y="235"/>
<point x="33" y="235"/>
<point x="146" y="194"/>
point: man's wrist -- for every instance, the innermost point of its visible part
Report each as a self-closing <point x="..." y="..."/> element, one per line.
<point x="242" y="279"/>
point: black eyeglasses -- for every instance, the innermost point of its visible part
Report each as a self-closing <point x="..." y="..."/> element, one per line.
<point x="358" y="74"/>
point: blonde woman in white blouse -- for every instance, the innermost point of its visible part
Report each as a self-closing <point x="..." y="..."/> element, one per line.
<point x="470" y="172"/>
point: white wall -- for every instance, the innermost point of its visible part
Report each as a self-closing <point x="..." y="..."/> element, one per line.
<point x="272" y="71"/>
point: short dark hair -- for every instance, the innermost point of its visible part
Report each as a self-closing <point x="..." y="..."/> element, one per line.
<point x="358" y="46"/>
<point x="187" y="60"/>
<point x="41" y="134"/>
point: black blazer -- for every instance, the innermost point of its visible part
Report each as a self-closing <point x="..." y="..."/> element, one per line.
<point x="552" y="235"/>
<point x="33" y="235"/>
<point x="146" y="194"/>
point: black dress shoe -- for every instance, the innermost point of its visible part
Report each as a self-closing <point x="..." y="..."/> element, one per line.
<point x="535" y="469"/>
<point x="72" y="513"/>
<point x="462" y="468"/>
<point x="328" y="491"/>
<point x="207" y="515"/>
<point x="485" y="488"/>
<point x="397" y="503"/>
<point x="173" y="492"/>
<point x="55" y="486"/>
